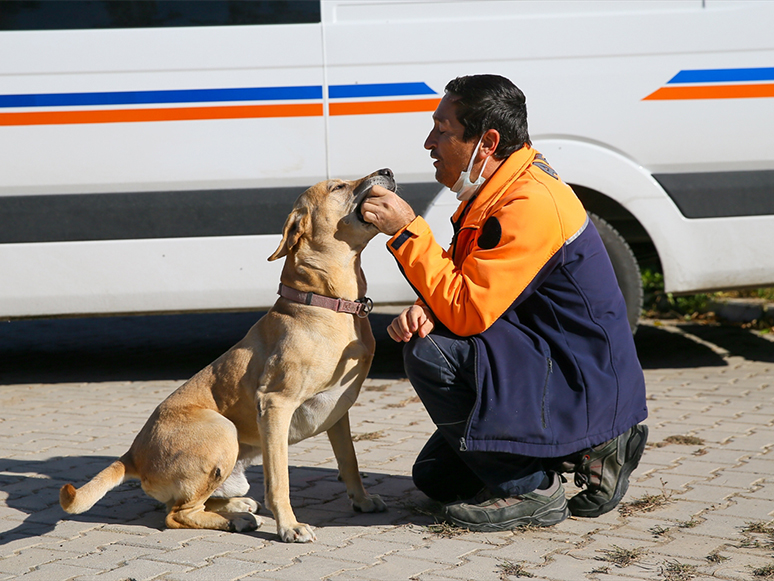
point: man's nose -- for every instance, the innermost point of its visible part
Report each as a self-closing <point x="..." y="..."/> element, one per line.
<point x="430" y="141"/>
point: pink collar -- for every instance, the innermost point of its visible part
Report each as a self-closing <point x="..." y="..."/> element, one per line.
<point x="360" y="307"/>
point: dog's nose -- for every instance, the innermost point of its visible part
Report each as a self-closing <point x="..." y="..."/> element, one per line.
<point x="386" y="172"/>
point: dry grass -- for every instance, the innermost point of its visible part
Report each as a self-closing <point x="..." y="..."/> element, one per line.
<point x="405" y="402"/>
<point x="647" y="502"/>
<point x="715" y="557"/>
<point x="622" y="557"/>
<point x="368" y="436"/>
<point x="765" y="572"/>
<point x="508" y="569"/>
<point x="674" y="571"/>
<point x="446" y="530"/>
<point x="758" y="527"/>
<point x="684" y="440"/>
<point x="372" y="387"/>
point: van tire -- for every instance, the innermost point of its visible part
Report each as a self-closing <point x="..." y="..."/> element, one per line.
<point x="627" y="271"/>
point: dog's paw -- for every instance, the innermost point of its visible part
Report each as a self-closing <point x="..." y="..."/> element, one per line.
<point x="298" y="533"/>
<point x="371" y="503"/>
<point x="243" y="522"/>
<point x="243" y="504"/>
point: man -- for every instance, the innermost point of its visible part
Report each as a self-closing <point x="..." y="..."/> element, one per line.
<point x="519" y="345"/>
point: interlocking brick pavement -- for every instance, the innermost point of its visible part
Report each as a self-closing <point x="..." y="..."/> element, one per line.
<point x="690" y="508"/>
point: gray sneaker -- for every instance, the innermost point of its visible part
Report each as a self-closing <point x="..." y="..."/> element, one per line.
<point x="605" y="470"/>
<point x="489" y="514"/>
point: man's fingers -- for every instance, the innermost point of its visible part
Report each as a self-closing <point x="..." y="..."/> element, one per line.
<point x="415" y="317"/>
<point x="426" y="327"/>
<point x="400" y="328"/>
<point x="377" y="191"/>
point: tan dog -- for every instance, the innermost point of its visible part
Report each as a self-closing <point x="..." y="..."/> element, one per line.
<point x="295" y="374"/>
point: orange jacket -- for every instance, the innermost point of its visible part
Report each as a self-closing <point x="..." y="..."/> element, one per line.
<point x="521" y="217"/>
<point x="528" y="279"/>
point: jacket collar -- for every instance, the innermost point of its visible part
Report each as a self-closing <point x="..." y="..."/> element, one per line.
<point x="499" y="182"/>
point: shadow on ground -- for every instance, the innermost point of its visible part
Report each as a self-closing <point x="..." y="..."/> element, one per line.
<point x="318" y="498"/>
<point x="137" y="348"/>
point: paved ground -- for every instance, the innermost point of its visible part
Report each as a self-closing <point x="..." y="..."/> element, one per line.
<point x="699" y="506"/>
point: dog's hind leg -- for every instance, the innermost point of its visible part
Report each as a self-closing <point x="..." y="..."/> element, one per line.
<point x="198" y="517"/>
<point x="201" y="512"/>
<point x="230" y="496"/>
<point x="340" y="437"/>
<point x="184" y="478"/>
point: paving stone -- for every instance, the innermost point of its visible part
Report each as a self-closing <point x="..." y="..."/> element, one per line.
<point x="50" y="436"/>
<point x="480" y="568"/>
<point x="307" y="567"/>
<point x="221" y="569"/>
<point x="137" y="569"/>
<point x="31" y="558"/>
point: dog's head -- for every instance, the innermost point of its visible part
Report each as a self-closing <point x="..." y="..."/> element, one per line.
<point x="330" y="211"/>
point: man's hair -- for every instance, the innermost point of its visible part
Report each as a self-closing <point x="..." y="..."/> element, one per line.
<point x="491" y="102"/>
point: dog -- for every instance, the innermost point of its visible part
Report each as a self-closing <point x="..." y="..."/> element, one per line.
<point x="294" y="375"/>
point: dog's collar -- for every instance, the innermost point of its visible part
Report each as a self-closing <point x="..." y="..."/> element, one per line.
<point x="360" y="307"/>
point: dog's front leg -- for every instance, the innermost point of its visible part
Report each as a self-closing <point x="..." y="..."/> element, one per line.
<point x="275" y="414"/>
<point x="340" y="436"/>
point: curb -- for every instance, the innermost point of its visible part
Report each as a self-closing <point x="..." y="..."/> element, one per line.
<point x="742" y="310"/>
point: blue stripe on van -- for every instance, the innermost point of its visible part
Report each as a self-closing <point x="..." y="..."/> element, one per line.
<point x="723" y="75"/>
<point x="379" y="90"/>
<point x="158" y="97"/>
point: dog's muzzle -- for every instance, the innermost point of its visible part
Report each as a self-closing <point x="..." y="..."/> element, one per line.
<point x="384" y="178"/>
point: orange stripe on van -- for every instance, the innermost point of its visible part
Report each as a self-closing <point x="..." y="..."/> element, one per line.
<point x="376" y="107"/>
<point x="170" y="114"/>
<point x="712" y="92"/>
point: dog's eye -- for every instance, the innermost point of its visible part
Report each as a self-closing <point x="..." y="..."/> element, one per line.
<point x="338" y="187"/>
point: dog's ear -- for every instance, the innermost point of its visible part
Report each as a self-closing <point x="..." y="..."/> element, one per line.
<point x="295" y="227"/>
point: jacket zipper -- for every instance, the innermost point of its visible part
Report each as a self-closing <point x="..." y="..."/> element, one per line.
<point x="545" y="392"/>
<point x="463" y="444"/>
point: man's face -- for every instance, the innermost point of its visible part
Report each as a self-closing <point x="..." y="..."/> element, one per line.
<point x="445" y="143"/>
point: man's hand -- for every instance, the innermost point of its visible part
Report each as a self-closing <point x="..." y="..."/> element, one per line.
<point x="386" y="210"/>
<point x="415" y="319"/>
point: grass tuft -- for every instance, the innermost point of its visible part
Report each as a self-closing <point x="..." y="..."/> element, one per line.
<point x="368" y="436"/>
<point x="646" y="503"/>
<point x="674" y="571"/>
<point x="508" y="569"/>
<point x="621" y="557"/>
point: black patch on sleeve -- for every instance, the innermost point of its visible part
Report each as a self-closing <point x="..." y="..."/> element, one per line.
<point x="399" y="241"/>
<point x="490" y="234"/>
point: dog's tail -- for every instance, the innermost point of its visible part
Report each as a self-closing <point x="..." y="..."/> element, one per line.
<point x="76" y="501"/>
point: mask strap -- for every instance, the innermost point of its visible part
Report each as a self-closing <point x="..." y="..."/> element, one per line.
<point x="473" y="158"/>
<point x="475" y="151"/>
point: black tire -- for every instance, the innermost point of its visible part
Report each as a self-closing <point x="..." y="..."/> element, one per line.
<point x="627" y="271"/>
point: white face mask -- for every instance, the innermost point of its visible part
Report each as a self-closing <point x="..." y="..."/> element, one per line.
<point x="463" y="187"/>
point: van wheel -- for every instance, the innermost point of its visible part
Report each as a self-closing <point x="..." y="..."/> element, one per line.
<point x="627" y="271"/>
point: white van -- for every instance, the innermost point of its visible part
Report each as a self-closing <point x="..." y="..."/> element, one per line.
<point x="150" y="151"/>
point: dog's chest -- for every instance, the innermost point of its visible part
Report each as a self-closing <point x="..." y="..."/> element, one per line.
<point x="318" y="413"/>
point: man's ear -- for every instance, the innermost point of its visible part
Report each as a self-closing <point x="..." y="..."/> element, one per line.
<point x="489" y="141"/>
<point x="295" y="227"/>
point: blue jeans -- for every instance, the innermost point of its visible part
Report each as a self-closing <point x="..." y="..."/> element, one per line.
<point x="441" y="367"/>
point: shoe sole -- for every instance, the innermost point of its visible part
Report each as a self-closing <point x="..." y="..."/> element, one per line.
<point x="623" y="480"/>
<point x="546" y="519"/>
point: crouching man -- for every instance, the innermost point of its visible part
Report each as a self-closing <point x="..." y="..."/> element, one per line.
<point x="519" y="344"/>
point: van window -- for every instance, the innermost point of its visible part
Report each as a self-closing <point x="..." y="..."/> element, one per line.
<point x="84" y="14"/>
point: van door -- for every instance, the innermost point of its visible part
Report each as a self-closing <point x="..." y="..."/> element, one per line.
<point x="139" y="140"/>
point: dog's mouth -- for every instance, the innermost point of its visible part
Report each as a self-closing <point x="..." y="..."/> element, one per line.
<point x="383" y="178"/>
